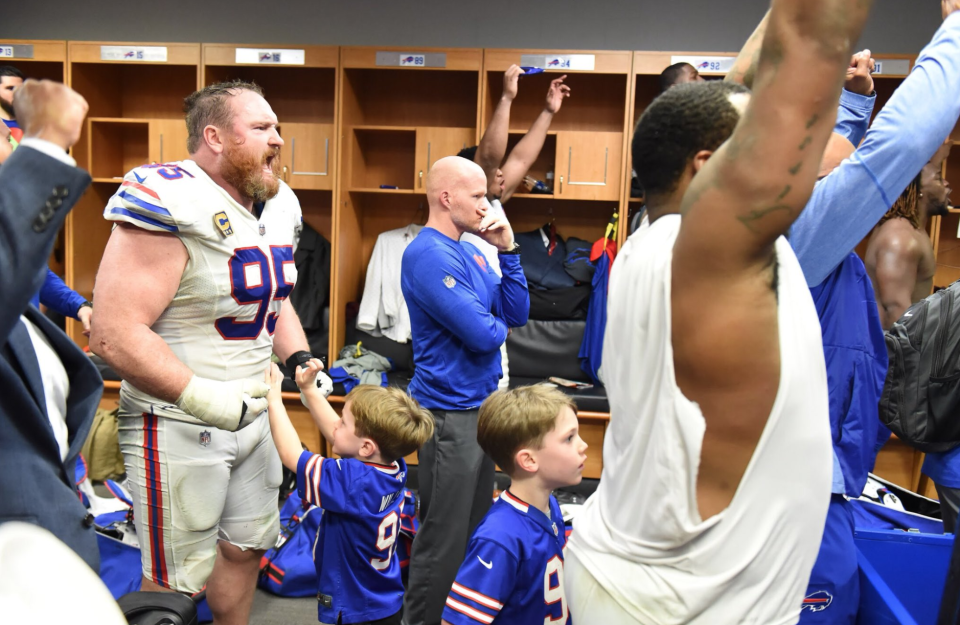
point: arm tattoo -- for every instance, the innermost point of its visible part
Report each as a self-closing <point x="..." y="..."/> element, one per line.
<point x="756" y="215"/>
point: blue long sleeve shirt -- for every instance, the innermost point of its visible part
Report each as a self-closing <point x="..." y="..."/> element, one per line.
<point x="843" y="209"/>
<point x="847" y="204"/>
<point x="460" y="311"/>
<point x="56" y="295"/>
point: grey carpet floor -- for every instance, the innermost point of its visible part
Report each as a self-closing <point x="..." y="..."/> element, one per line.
<point x="273" y="610"/>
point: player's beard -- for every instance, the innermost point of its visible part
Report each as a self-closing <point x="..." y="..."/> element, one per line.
<point x="940" y="208"/>
<point x="8" y="109"/>
<point x="244" y="172"/>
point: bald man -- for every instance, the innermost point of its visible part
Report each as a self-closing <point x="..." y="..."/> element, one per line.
<point x="460" y="310"/>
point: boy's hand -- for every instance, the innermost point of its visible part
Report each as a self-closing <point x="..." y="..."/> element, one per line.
<point x="274" y="378"/>
<point x="307" y="374"/>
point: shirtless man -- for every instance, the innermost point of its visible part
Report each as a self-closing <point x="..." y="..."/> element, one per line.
<point x="899" y="256"/>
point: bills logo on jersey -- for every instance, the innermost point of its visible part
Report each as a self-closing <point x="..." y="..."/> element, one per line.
<point x="263" y="230"/>
<point x="205" y="438"/>
<point x="817" y="602"/>
<point x="223" y="223"/>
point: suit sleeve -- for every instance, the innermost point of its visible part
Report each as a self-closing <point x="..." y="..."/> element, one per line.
<point x="326" y="482"/>
<point x="440" y="284"/>
<point x="31" y="214"/>
<point x="56" y="295"/>
<point x="484" y="583"/>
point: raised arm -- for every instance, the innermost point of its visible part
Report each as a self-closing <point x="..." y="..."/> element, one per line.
<point x="906" y="133"/>
<point x="752" y="189"/>
<point x="322" y="413"/>
<point x="745" y="67"/>
<point x="525" y="153"/>
<point x="37" y="190"/>
<point x="285" y="437"/>
<point x="898" y="259"/>
<point x="493" y="144"/>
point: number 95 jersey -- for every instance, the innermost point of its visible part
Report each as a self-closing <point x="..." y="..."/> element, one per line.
<point x="222" y="318"/>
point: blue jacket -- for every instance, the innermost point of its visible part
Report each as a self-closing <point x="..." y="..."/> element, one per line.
<point x="856" y="357"/>
<point x="56" y="295"/>
<point x="36" y="485"/>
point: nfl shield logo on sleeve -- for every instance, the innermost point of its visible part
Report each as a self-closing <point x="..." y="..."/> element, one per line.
<point x="205" y="438"/>
<point x="449" y="281"/>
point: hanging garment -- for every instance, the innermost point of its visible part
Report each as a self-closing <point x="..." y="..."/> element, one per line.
<point x="591" y="350"/>
<point x="311" y="296"/>
<point x="383" y="312"/>
<point x="543" y="257"/>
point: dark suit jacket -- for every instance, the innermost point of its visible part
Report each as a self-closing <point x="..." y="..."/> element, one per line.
<point x="36" y="193"/>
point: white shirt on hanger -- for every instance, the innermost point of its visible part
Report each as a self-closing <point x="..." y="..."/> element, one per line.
<point x="383" y="311"/>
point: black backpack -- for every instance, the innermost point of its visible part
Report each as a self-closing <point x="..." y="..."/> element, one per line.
<point x="921" y="394"/>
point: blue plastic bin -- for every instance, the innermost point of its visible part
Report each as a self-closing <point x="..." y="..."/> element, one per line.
<point x="901" y="576"/>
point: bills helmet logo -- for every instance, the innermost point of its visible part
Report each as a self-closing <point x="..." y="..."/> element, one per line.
<point x="553" y="62"/>
<point x="205" y="438"/>
<point x="129" y="55"/>
<point x="703" y="65"/>
<point x="817" y="602"/>
<point x="409" y="59"/>
<point x="266" y="56"/>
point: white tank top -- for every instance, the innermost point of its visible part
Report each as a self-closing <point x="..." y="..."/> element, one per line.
<point x="641" y="535"/>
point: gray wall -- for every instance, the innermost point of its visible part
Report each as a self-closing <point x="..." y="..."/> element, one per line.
<point x="896" y="26"/>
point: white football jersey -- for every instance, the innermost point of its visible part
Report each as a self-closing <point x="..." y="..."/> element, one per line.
<point x="222" y="319"/>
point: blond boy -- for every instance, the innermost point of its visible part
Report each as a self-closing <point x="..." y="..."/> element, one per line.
<point x="513" y="571"/>
<point x="361" y="492"/>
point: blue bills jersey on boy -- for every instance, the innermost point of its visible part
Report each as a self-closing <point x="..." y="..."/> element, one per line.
<point x="355" y="552"/>
<point x="513" y="571"/>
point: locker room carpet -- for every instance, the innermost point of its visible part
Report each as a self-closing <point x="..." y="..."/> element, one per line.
<point x="272" y="610"/>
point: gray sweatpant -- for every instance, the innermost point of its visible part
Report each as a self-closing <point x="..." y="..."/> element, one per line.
<point x="456" y="490"/>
